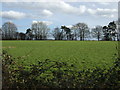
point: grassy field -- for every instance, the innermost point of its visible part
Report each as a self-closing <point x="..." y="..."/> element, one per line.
<point x="83" y="54"/>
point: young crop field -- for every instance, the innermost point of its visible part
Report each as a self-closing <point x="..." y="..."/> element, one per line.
<point x="83" y="54"/>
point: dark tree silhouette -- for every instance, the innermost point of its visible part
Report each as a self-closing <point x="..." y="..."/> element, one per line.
<point x="67" y="31"/>
<point x="110" y="31"/>
<point x="22" y="36"/>
<point x="29" y="35"/>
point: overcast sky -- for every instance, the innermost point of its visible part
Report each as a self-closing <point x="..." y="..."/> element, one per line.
<point x="55" y="14"/>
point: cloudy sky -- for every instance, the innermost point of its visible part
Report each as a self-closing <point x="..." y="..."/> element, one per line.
<point x="55" y="14"/>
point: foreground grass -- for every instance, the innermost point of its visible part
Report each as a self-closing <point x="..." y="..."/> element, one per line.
<point x="84" y="54"/>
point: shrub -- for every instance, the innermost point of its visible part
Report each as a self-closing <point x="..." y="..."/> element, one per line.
<point x="57" y="74"/>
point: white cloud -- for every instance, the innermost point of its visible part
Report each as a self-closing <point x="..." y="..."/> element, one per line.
<point x="108" y="16"/>
<point x="12" y="15"/>
<point x="91" y="11"/>
<point x="59" y="0"/>
<point x="108" y="13"/>
<point x="104" y="3"/>
<point x="48" y="9"/>
<point x="69" y="26"/>
<point x="93" y="5"/>
<point x="82" y="8"/>
<point x="46" y="22"/>
<point x="9" y="0"/>
<point x="101" y="10"/>
<point x="47" y="13"/>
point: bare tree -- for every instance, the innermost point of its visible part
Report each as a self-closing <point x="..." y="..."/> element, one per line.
<point x="40" y="30"/>
<point x="83" y="30"/>
<point x="57" y="33"/>
<point x="97" y="32"/>
<point x="75" y="32"/>
<point x="9" y="30"/>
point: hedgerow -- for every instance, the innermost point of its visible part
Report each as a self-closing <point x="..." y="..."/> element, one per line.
<point x="56" y="74"/>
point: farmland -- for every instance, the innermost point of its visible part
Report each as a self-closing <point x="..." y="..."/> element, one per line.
<point x="83" y="54"/>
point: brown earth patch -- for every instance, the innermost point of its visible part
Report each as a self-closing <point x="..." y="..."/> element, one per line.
<point x="9" y="47"/>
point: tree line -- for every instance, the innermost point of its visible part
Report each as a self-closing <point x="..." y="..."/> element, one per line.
<point x="79" y="31"/>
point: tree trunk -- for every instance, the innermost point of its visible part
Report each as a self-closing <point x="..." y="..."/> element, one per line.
<point x="117" y="37"/>
<point x="83" y="35"/>
<point x="80" y="36"/>
<point x="98" y="36"/>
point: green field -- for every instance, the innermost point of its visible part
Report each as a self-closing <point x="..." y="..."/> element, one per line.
<point x="83" y="54"/>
